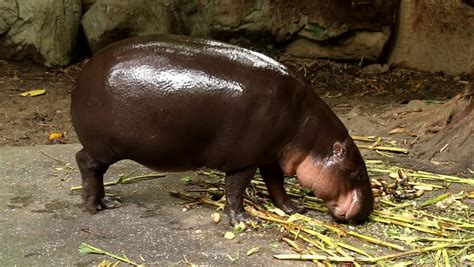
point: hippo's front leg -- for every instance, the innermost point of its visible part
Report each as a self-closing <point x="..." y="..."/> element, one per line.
<point x="274" y="180"/>
<point x="235" y="184"/>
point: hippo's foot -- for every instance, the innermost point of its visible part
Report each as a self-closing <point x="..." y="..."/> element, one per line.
<point x="290" y="208"/>
<point x="235" y="218"/>
<point x="95" y="204"/>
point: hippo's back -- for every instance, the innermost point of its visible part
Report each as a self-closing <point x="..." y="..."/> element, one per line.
<point x="175" y="102"/>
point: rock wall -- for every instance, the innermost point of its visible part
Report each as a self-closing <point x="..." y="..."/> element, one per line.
<point x="43" y="30"/>
<point x="427" y="35"/>
<point x="433" y="36"/>
<point x="316" y="28"/>
<point x="107" y="21"/>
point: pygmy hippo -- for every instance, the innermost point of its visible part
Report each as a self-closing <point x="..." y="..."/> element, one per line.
<point x="179" y="103"/>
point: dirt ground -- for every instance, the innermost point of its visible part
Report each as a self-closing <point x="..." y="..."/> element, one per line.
<point x="358" y="94"/>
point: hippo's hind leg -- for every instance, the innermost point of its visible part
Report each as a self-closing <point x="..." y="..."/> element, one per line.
<point x="235" y="184"/>
<point x="92" y="172"/>
<point x="273" y="177"/>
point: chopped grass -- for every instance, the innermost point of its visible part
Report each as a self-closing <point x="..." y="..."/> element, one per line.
<point x="88" y="249"/>
<point x="410" y="231"/>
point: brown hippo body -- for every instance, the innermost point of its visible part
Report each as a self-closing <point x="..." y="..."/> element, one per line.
<point x="178" y="103"/>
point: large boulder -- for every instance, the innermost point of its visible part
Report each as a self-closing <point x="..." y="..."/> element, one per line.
<point x="360" y="45"/>
<point x="434" y="36"/>
<point x="44" y="30"/>
<point x="359" y="28"/>
<point x="108" y="21"/>
<point x="8" y="15"/>
<point x="86" y="4"/>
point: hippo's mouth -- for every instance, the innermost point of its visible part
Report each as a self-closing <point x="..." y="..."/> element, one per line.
<point x="349" y="211"/>
<point x="338" y="213"/>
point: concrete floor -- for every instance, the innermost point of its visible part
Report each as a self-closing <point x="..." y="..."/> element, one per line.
<point x="42" y="223"/>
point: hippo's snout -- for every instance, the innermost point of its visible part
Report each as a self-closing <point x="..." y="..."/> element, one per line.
<point x="355" y="210"/>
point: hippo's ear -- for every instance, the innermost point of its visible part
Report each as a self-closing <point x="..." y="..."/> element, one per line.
<point x="338" y="151"/>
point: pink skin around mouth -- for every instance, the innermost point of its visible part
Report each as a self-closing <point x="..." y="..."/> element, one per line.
<point x="344" y="211"/>
<point x="345" y="208"/>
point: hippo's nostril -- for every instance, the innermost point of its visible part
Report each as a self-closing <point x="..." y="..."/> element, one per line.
<point x="339" y="214"/>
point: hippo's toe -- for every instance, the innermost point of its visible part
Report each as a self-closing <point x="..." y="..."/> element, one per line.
<point x="290" y="208"/>
<point x="95" y="204"/>
<point x="235" y="218"/>
<point x="110" y="202"/>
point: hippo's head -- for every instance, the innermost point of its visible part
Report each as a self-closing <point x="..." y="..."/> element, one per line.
<point x="341" y="180"/>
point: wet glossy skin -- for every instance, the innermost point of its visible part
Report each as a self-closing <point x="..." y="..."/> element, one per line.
<point x="177" y="103"/>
